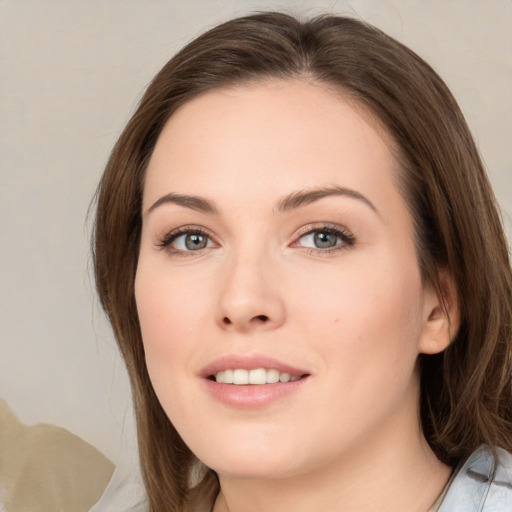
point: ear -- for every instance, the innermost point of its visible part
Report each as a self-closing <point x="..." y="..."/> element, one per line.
<point x="441" y="315"/>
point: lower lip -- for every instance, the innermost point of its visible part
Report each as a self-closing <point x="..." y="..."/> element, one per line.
<point x="252" y="396"/>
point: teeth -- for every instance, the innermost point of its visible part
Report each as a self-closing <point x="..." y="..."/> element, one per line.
<point x="258" y="376"/>
<point x="240" y="377"/>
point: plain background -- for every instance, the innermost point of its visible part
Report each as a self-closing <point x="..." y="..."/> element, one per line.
<point x="71" y="73"/>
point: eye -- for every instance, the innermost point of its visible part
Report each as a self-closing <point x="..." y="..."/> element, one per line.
<point x="191" y="242"/>
<point x="186" y="240"/>
<point x="320" y="240"/>
<point x="325" y="239"/>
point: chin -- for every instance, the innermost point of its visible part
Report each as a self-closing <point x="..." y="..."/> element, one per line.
<point x="255" y="469"/>
<point x="252" y="460"/>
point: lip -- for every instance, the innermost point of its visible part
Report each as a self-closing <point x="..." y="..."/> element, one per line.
<point x="251" y="396"/>
<point x="249" y="362"/>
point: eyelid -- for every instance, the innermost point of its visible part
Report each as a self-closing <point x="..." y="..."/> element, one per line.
<point x="347" y="237"/>
<point x="164" y="243"/>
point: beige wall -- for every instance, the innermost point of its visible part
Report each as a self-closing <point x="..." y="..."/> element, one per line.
<point x="70" y="73"/>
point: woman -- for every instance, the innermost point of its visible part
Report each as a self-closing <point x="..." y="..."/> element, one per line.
<point x="303" y="264"/>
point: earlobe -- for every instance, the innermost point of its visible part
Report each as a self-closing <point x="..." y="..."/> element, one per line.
<point x="441" y="315"/>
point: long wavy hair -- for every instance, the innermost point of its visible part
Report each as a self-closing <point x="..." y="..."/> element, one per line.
<point x="466" y="391"/>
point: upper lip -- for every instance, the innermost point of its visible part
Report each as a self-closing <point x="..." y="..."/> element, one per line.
<point x="249" y="362"/>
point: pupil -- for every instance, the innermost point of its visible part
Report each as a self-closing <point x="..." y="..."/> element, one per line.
<point x="195" y="241"/>
<point x="325" y="240"/>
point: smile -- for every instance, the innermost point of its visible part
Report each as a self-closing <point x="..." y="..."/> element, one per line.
<point x="252" y="381"/>
<point x="258" y="376"/>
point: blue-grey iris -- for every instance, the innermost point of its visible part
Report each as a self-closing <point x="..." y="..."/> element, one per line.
<point x="196" y="241"/>
<point x="325" y="240"/>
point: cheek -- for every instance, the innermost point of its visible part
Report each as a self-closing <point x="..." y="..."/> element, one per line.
<point x="366" y="320"/>
<point x="170" y="305"/>
<point x="165" y="321"/>
<point x="168" y="314"/>
<point x="366" y="327"/>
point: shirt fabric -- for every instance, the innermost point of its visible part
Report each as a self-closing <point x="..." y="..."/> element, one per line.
<point x="482" y="484"/>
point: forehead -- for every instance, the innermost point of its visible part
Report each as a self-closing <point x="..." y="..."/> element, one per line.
<point x="279" y="132"/>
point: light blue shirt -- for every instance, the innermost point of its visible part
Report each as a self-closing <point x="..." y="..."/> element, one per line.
<point x="482" y="484"/>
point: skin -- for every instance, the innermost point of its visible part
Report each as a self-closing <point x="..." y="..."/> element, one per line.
<point x="354" y="317"/>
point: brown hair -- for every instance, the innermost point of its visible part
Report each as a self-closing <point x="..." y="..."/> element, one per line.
<point x="466" y="390"/>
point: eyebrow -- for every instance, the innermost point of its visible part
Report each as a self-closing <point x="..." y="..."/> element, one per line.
<point x="199" y="204"/>
<point x="304" y="197"/>
<point x="290" y="202"/>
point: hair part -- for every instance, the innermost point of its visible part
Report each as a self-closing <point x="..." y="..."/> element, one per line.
<point x="466" y="395"/>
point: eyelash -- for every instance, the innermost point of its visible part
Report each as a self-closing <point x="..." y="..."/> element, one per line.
<point x="166" y="242"/>
<point x="347" y="239"/>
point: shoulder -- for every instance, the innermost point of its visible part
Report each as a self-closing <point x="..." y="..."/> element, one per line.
<point x="482" y="484"/>
<point x="45" y="467"/>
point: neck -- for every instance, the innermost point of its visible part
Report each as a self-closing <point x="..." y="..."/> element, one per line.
<point x="394" y="470"/>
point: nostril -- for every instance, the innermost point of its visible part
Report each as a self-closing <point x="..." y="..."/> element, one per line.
<point x="258" y="319"/>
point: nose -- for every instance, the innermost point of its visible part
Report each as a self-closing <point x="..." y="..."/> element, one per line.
<point x="250" y="297"/>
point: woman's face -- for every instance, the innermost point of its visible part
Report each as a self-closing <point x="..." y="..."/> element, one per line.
<point x="276" y="246"/>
